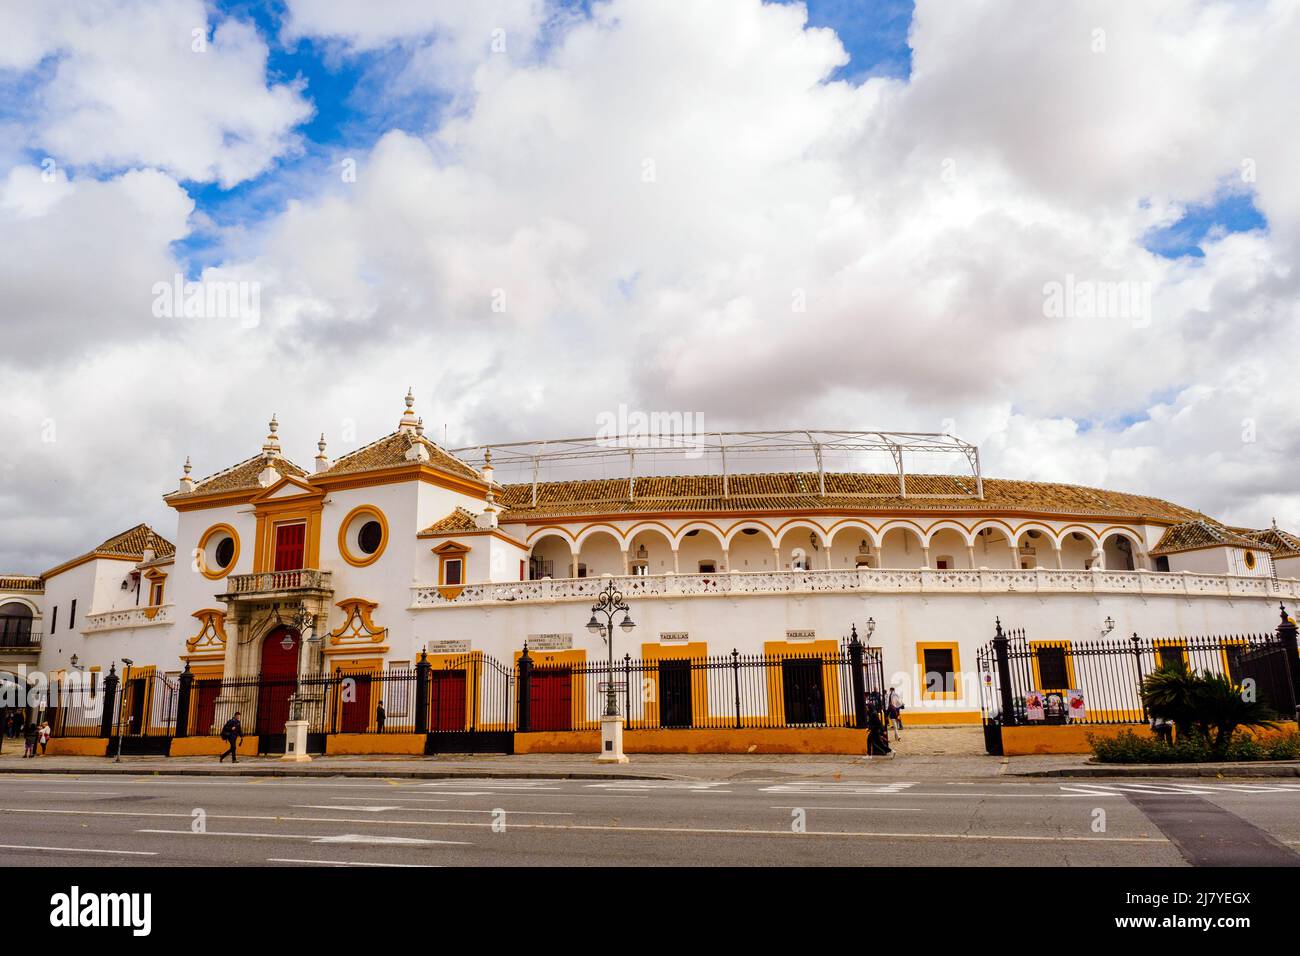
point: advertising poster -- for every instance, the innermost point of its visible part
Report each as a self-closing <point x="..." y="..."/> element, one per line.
<point x="1034" y="706"/>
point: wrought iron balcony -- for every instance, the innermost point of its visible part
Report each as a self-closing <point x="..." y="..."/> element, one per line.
<point x="15" y="640"/>
<point x="269" y="583"/>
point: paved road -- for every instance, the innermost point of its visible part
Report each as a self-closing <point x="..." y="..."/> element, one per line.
<point x="148" y="820"/>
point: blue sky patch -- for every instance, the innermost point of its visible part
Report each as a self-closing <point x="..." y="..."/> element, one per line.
<point x="1227" y="213"/>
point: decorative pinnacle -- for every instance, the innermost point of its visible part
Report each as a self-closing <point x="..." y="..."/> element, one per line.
<point x="188" y="467"/>
<point x="321" y="444"/>
<point x="410" y="398"/>
<point x="419" y="427"/>
<point x="272" y="444"/>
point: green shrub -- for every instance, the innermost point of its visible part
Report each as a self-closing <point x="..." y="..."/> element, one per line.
<point x="1128" y="747"/>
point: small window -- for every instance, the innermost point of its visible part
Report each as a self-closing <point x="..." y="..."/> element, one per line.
<point x="582" y="570"/>
<point x="940" y="673"/>
<point x="54" y="619"/>
<point x="72" y="614"/>
<point x="370" y="537"/>
<point x="944" y="563"/>
<point x="1053" y="673"/>
<point x="224" y="553"/>
<point x="1162" y="563"/>
<point x="1250" y="560"/>
<point x="1171" y="655"/>
<point x="156" y="593"/>
<point x="708" y="567"/>
<point x="522" y="570"/>
<point x="451" y="570"/>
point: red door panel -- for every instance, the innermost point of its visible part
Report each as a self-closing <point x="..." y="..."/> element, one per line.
<point x="279" y="679"/>
<point x="356" y="712"/>
<point x="290" y="541"/>
<point x="205" y="711"/>
<point x="447" y="700"/>
<point x="551" y="700"/>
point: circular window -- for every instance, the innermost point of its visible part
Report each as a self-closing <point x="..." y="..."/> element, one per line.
<point x="1250" y="560"/>
<point x="218" y="551"/>
<point x="370" y="537"/>
<point x="363" y="536"/>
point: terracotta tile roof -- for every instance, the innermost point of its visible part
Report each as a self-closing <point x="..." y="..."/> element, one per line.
<point x="240" y="477"/>
<point x="390" y="452"/>
<point x="458" y="521"/>
<point x="132" y="543"/>
<point x="799" y="491"/>
<point x="1193" y="535"/>
<point x="1283" y="544"/>
<point x="21" y="582"/>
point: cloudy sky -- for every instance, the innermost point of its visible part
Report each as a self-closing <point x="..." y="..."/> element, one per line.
<point x="839" y="214"/>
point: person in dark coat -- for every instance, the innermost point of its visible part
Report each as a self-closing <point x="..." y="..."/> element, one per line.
<point x="380" y="716"/>
<point x="232" y="732"/>
<point x="29" y="739"/>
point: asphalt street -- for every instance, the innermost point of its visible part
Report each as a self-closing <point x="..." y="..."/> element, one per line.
<point x="96" y="820"/>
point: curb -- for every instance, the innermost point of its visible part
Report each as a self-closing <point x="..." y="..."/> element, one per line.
<point x="340" y="772"/>
<point x="1168" y="770"/>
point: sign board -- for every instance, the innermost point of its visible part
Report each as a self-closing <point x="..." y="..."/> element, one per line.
<point x="448" y="647"/>
<point x="1034" y="706"/>
<point x="1078" y="709"/>
<point x="674" y="637"/>
<point x="619" y="687"/>
<point x="801" y="635"/>
<point x="550" y="642"/>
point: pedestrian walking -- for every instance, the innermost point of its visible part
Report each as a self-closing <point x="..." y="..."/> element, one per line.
<point x="43" y="735"/>
<point x="29" y="740"/>
<point x="232" y="732"/>
<point x="380" y="717"/>
<point x="894" y="713"/>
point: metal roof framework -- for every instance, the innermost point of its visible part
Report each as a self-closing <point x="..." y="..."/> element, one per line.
<point x="729" y="446"/>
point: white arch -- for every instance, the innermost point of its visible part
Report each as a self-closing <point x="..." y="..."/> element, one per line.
<point x="702" y="526"/>
<point x="740" y="526"/>
<point x="556" y="530"/>
<point x="606" y="529"/>
<point x="1083" y="529"/>
<point x="6" y="598"/>
<point x="897" y="524"/>
<point x="856" y="525"/>
<point x="1138" y="544"/>
<point x="1001" y="527"/>
<point x="948" y="525"/>
<point x="796" y="523"/>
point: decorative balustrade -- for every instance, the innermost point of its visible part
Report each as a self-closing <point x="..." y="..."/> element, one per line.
<point x="882" y="580"/>
<point x="129" y="617"/>
<point x="271" y="582"/>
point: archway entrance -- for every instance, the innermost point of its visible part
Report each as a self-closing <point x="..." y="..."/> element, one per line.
<point x="279" y="680"/>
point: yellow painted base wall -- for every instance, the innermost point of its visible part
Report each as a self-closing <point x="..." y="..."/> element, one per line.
<point x="817" y="740"/>
<point x="77" y="747"/>
<point x="929" y="718"/>
<point x="211" y="747"/>
<point x="1061" y="738"/>
<point x="344" y="744"/>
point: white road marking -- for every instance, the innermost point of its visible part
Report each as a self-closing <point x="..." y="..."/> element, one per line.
<point x="868" y="809"/>
<point x="312" y="838"/>
<point x="74" y="849"/>
<point x="828" y="787"/>
<point x="77" y="793"/>
<point x="316" y="806"/>
<point x="284" y="859"/>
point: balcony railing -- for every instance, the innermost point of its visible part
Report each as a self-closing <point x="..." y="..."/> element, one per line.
<point x="274" y="582"/>
<point x="884" y="580"/>
<point x="13" y="639"/>
<point x="128" y="617"/>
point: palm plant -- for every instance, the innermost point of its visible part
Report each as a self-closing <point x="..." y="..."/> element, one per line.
<point x="1205" y="705"/>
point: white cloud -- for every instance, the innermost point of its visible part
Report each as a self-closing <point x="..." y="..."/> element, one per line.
<point x="657" y="193"/>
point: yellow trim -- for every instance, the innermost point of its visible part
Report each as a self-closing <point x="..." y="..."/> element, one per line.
<point x="830" y="676"/>
<point x="203" y="550"/>
<point x="365" y="560"/>
<point x="921" y="648"/>
<point x="695" y="650"/>
<point x="1161" y="644"/>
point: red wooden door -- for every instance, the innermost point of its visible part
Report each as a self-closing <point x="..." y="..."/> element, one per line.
<point x="355" y="718"/>
<point x="205" y="711"/>
<point x="551" y="700"/>
<point x="290" y="541"/>
<point x="447" y="700"/>
<point x="279" y="679"/>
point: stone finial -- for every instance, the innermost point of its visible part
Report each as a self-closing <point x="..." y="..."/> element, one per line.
<point x="409" y="420"/>
<point x="272" y="444"/>
<point x="187" y="483"/>
<point x="322" y="460"/>
<point x="487" y="469"/>
<point x="419" y="427"/>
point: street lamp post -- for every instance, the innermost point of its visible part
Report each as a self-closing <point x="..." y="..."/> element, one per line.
<point x="608" y="604"/>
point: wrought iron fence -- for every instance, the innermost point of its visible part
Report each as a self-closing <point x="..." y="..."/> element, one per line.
<point x="1099" y="681"/>
<point x="736" y="691"/>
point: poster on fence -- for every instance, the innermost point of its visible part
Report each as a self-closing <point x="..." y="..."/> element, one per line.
<point x="1078" y="709"/>
<point x="1034" y="706"/>
<point x="399" y="691"/>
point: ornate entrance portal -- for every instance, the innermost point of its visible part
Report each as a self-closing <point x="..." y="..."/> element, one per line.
<point x="279" y="673"/>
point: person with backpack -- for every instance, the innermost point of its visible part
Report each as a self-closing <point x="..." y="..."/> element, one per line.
<point x="232" y="732"/>
<point x="894" y="713"/>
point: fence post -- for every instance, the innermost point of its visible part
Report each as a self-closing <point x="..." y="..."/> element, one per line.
<point x="627" y="688"/>
<point x="110" y="702"/>
<point x="1002" y="653"/>
<point x="186" y="683"/>
<point x="1286" y="634"/>
<point x="1137" y="656"/>
<point x="525" y="690"/>
<point x="735" y="667"/>
<point x="859" y="685"/>
<point x="338" y="700"/>
<point x="422" y="670"/>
